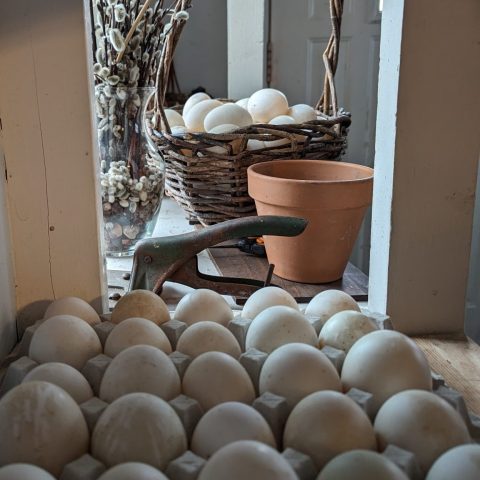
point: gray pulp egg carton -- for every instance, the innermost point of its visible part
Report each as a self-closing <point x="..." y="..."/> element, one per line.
<point x="272" y="407"/>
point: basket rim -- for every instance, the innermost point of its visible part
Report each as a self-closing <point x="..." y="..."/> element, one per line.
<point x="259" y="131"/>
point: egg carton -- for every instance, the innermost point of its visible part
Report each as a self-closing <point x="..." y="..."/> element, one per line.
<point x="272" y="407"/>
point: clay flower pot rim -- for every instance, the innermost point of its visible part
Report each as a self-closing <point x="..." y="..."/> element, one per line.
<point x="253" y="171"/>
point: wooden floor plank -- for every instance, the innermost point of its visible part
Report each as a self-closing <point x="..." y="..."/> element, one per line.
<point x="458" y="362"/>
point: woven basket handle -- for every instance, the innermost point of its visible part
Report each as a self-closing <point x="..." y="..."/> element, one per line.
<point x="328" y="101"/>
<point x="171" y="41"/>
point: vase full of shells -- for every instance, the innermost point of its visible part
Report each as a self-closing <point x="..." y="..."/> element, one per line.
<point x="131" y="169"/>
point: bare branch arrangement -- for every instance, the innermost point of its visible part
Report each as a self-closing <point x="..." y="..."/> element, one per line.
<point x="128" y="39"/>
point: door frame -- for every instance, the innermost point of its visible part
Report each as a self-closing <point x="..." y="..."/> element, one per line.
<point x="418" y="272"/>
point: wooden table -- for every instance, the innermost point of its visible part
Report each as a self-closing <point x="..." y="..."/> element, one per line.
<point x="234" y="263"/>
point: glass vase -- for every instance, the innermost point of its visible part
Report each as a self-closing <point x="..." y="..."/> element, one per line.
<point x="131" y="169"/>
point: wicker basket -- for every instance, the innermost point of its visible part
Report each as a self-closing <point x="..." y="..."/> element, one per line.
<point x="207" y="173"/>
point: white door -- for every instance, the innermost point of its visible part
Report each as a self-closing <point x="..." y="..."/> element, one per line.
<point x="300" y="31"/>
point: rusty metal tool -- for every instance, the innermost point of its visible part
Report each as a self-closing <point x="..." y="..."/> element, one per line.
<point x="174" y="258"/>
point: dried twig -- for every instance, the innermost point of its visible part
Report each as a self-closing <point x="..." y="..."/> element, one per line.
<point x="135" y="24"/>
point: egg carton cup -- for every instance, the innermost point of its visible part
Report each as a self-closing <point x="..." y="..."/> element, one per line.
<point x="272" y="407"/>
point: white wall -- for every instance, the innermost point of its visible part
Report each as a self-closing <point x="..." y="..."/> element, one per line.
<point x="201" y="55"/>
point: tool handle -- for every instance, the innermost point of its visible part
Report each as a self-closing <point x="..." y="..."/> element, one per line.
<point x="161" y="257"/>
<point x="250" y="227"/>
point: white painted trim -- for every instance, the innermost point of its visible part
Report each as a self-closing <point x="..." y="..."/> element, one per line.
<point x="49" y="151"/>
<point x="390" y="52"/>
<point x="426" y="163"/>
<point x="247" y="46"/>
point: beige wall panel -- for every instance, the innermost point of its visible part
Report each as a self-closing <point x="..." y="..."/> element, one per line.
<point x="426" y="171"/>
<point x="48" y="146"/>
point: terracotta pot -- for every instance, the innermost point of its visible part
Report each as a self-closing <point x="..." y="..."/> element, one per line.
<point x="332" y="196"/>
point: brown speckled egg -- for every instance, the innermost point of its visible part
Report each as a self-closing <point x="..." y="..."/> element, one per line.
<point x="143" y="304"/>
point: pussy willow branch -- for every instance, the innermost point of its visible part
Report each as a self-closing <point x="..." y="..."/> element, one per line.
<point x="135" y="24"/>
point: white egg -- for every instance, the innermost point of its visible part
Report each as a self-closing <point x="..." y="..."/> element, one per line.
<point x="193" y="100"/>
<point x="247" y="459"/>
<point x="266" y="104"/>
<point x="422" y="423"/>
<point x="204" y="337"/>
<point x="143" y="304"/>
<point x="296" y="370"/>
<point x="179" y="131"/>
<point x="41" y="424"/>
<point x="215" y="377"/>
<point x="229" y="113"/>
<point x="361" y="465"/>
<point x="73" y="306"/>
<point x="203" y="304"/>
<point x="326" y="424"/>
<point x="23" y="471"/>
<point x="195" y="117"/>
<point x="174" y="118"/>
<point x="223" y="128"/>
<point x="461" y="462"/>
<point x="64" y="376"/>
<point x="132" y="471"/>
<point x="267" y="297"/>
<point x="383" y="363"/>
<point x="343" y="329"/>
<point x="136" y="331"/>
<point x="227" y="423"/>
<point x="138" y="427"/>
<point x="141" y="368"/>
<point x="277" y="326"/>
<point x="254" y="144"/>
<point x="282" y="120"/>
<point x="243" y="102"/>
<point x="66" y="339"/>
<point x="302" y="113"/>
<point x="224" y="149"/>
<point x="327" y="303"/>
